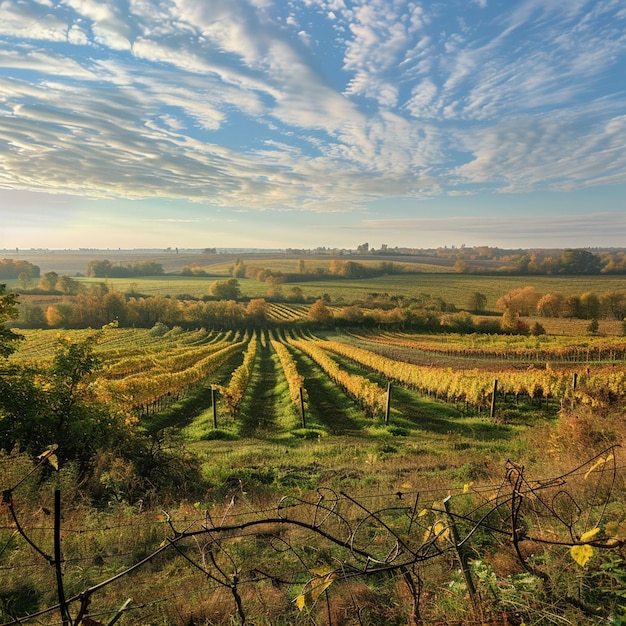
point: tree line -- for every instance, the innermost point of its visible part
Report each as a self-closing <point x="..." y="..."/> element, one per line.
<point x="105" y="269"/>
<point x="12" y="269"/>
<point x="527" y="301"/>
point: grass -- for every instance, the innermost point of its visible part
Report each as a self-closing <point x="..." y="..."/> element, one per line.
<point x="428" y="451"/>
<point x="452" y="288"/>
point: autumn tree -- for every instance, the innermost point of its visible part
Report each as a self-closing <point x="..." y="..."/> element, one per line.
<point x="590" y="306"/>
<point x="257" y="311"/>
<point x="551" y="304"/>
<point x="613" y="304"/>
<point x="225" y="289"/>
<point x="522" y="301"/>
<point x="238" y="270"/>
<point x="320" y="313"/>
<point x="512" y="323"/>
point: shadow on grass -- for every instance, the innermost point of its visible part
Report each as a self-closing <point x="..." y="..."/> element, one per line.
<point x="258" y="413"/>
<point x="328" y="406"/>
<point x="410" y="410"/>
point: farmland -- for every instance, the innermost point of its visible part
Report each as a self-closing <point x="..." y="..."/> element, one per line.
<point x="323" y="457"/>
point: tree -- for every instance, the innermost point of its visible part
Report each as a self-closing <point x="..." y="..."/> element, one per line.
<point x="513" y="323"/>
<point x="590" y="306"/>
<point x="551" y="304"/>
<point x="296" y="294"/>
<point x="579" y="262"/>
<point x="257" y="311"/>
<point x="614" y="304"/>
<point x="68" y="285"/>
<point x="537" y="329"/>
<point x="49" y="281"/>
<point x="572" y="307"/>
<point x="59" y="405"/>
<point x="239" y="269"/>
<point x="8" y="312"/>
<point x="60" y="315"/>
<point x="225" y="289"/>
<point x="320" y="313"/>
<point x="477" y="302"/>
<point x="32" y="316"/>
<point x="522" y="301"/>
<point x="25" y="280"/>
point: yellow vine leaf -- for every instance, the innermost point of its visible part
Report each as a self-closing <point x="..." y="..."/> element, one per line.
<point x="581" y="554"/>
<point x="597" y="464"/>
<point x="423" y="512"/>
<point x="317" y="586"/>
<point x="441" y="531"/>
<point x="467" y="487"/>
<point x="590" y="534"/>
<point x="301" y="601"/>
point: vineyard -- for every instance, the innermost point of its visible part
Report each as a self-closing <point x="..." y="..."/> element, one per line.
<point x="348" y="477"/>
<point x="146" y="371"/>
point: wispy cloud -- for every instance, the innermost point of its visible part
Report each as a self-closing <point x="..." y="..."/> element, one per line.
<point x="321" y="105"/>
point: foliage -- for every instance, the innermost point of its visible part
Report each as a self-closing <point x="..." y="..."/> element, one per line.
<point x="319" y="313"/>
<point x="12" y="269"/>
<point x="8" y="311"/>
<point x="58" y="405"/>
<point x="105" y="269"/>
<point x="225" y="289"/>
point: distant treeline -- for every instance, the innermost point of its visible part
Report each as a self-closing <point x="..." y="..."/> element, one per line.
<point x="12" y="269"/>
<point x="337" y="269"/>
<point x="96" y="305"/>
<point x="570" y="262"/>
<point x="106" y="269"/>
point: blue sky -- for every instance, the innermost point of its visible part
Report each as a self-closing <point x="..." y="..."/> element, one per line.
<point x="305" y="123"/>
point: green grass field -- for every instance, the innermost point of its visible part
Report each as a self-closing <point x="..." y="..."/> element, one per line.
<point x="340" y="520"/>
<point x="452" y="288"/>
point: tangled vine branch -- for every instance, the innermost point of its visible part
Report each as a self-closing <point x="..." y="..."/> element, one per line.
<point x="355" y="541"/>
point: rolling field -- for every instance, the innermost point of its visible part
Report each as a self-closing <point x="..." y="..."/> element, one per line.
<point x="327" y="460"/>
<point x="437" y="281"/>
<point x="452" y="288"/>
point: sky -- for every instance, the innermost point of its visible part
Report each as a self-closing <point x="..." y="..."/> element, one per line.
<point x="308" y="123"/>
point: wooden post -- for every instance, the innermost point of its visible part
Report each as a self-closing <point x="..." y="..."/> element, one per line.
<point x="388" y="407"/>
<point x="493" y="398"/>
<point x="461" y="555"/>
<point x="65" y="615"/>
<point x="302" y="408"/>
<point x="214" y="407"/>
